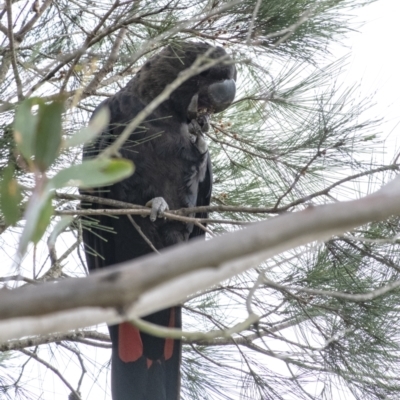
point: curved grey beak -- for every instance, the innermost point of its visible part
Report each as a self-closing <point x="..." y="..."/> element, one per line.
<point x="221" y="94"/>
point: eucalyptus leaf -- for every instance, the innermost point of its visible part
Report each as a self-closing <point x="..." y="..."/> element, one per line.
<point x="37" y="215"/>
<point x="25" y="128"/>
<point x="43" y="221"/>
<point x="61" y="225"/>
<point x="10" y="196"/>
<point x="93" y="173"/>
<point x="47" y="140"/>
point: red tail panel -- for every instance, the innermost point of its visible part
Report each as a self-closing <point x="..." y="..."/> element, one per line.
<point x="130" y="346"/>
<point x="169" y="343"/>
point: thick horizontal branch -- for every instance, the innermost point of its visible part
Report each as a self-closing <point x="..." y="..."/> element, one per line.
<point x="152" y="282"/>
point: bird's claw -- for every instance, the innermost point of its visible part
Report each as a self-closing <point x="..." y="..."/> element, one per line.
<point x="199" y="119"/>
<point x="158" y="207"/>
<point x="196" y="135"/>
<point x="199" y="124"/>
<point x="194" y="130"/>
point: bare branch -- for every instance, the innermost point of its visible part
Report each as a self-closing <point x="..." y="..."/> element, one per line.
<point x="107" y="67"/>
<point x="29" y="25"/>
<point x="87" y="43"/>
<point x="174" y="333"/>
<point x="52" y="368"/>
<point x="13" y="45"/>
<point x="76" y="336"/>
<point x="253" y="17"/>
<point x="356" y="298"/>
<point x="167" y="280"/>
<point x="135" y="209"/>
<point x="145" y="238"/>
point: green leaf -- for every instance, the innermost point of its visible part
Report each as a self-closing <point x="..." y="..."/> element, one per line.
<point x="37" y="215"/>
<point x="96" y="126"/>
<point x="25" y="127"/>
<point x="47" y="140"/>
<point x="10" y="197"/>
<point x="43" y="221"/>
<point x="93" y="173"/>
<point x="61" y="225"/>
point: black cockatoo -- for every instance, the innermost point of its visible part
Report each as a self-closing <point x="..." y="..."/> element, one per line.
<point x="173" y="170"/>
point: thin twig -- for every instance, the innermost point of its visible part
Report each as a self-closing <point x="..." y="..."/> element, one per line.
<point x="80" y="359"/>
<point x="139" y="230"/>
<point x="224" y="208"/>
<point x="86" y="44"/>
<point x="12" y="50"/>
<point x="18" y="278"/>
<point x="287" y="32"/>
<point x="356" y="298"/>
<point x="52" y="368"/>
<point x="107" y="67"/>
<point x="146" y="212"/>
<point x="174" y="333"/>
<point x="29" y="25"/>
<point x="88" y="337"/>
<point x="253" y="18"/>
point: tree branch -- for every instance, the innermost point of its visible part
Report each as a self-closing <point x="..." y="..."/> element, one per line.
<point x="76" y="336"/>
<point x="219" y="208"/>
<point x="141" y="286"/>
<point x="12" y="51"/>
<point x="108" y="65"/>
<point x="52" y="368"/>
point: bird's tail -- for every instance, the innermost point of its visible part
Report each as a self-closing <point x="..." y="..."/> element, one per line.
<point x="145" y="367"/>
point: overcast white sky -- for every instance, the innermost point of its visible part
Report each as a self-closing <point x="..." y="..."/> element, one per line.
<point x="375" y="61"/>
<point x="374" y="64"/>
